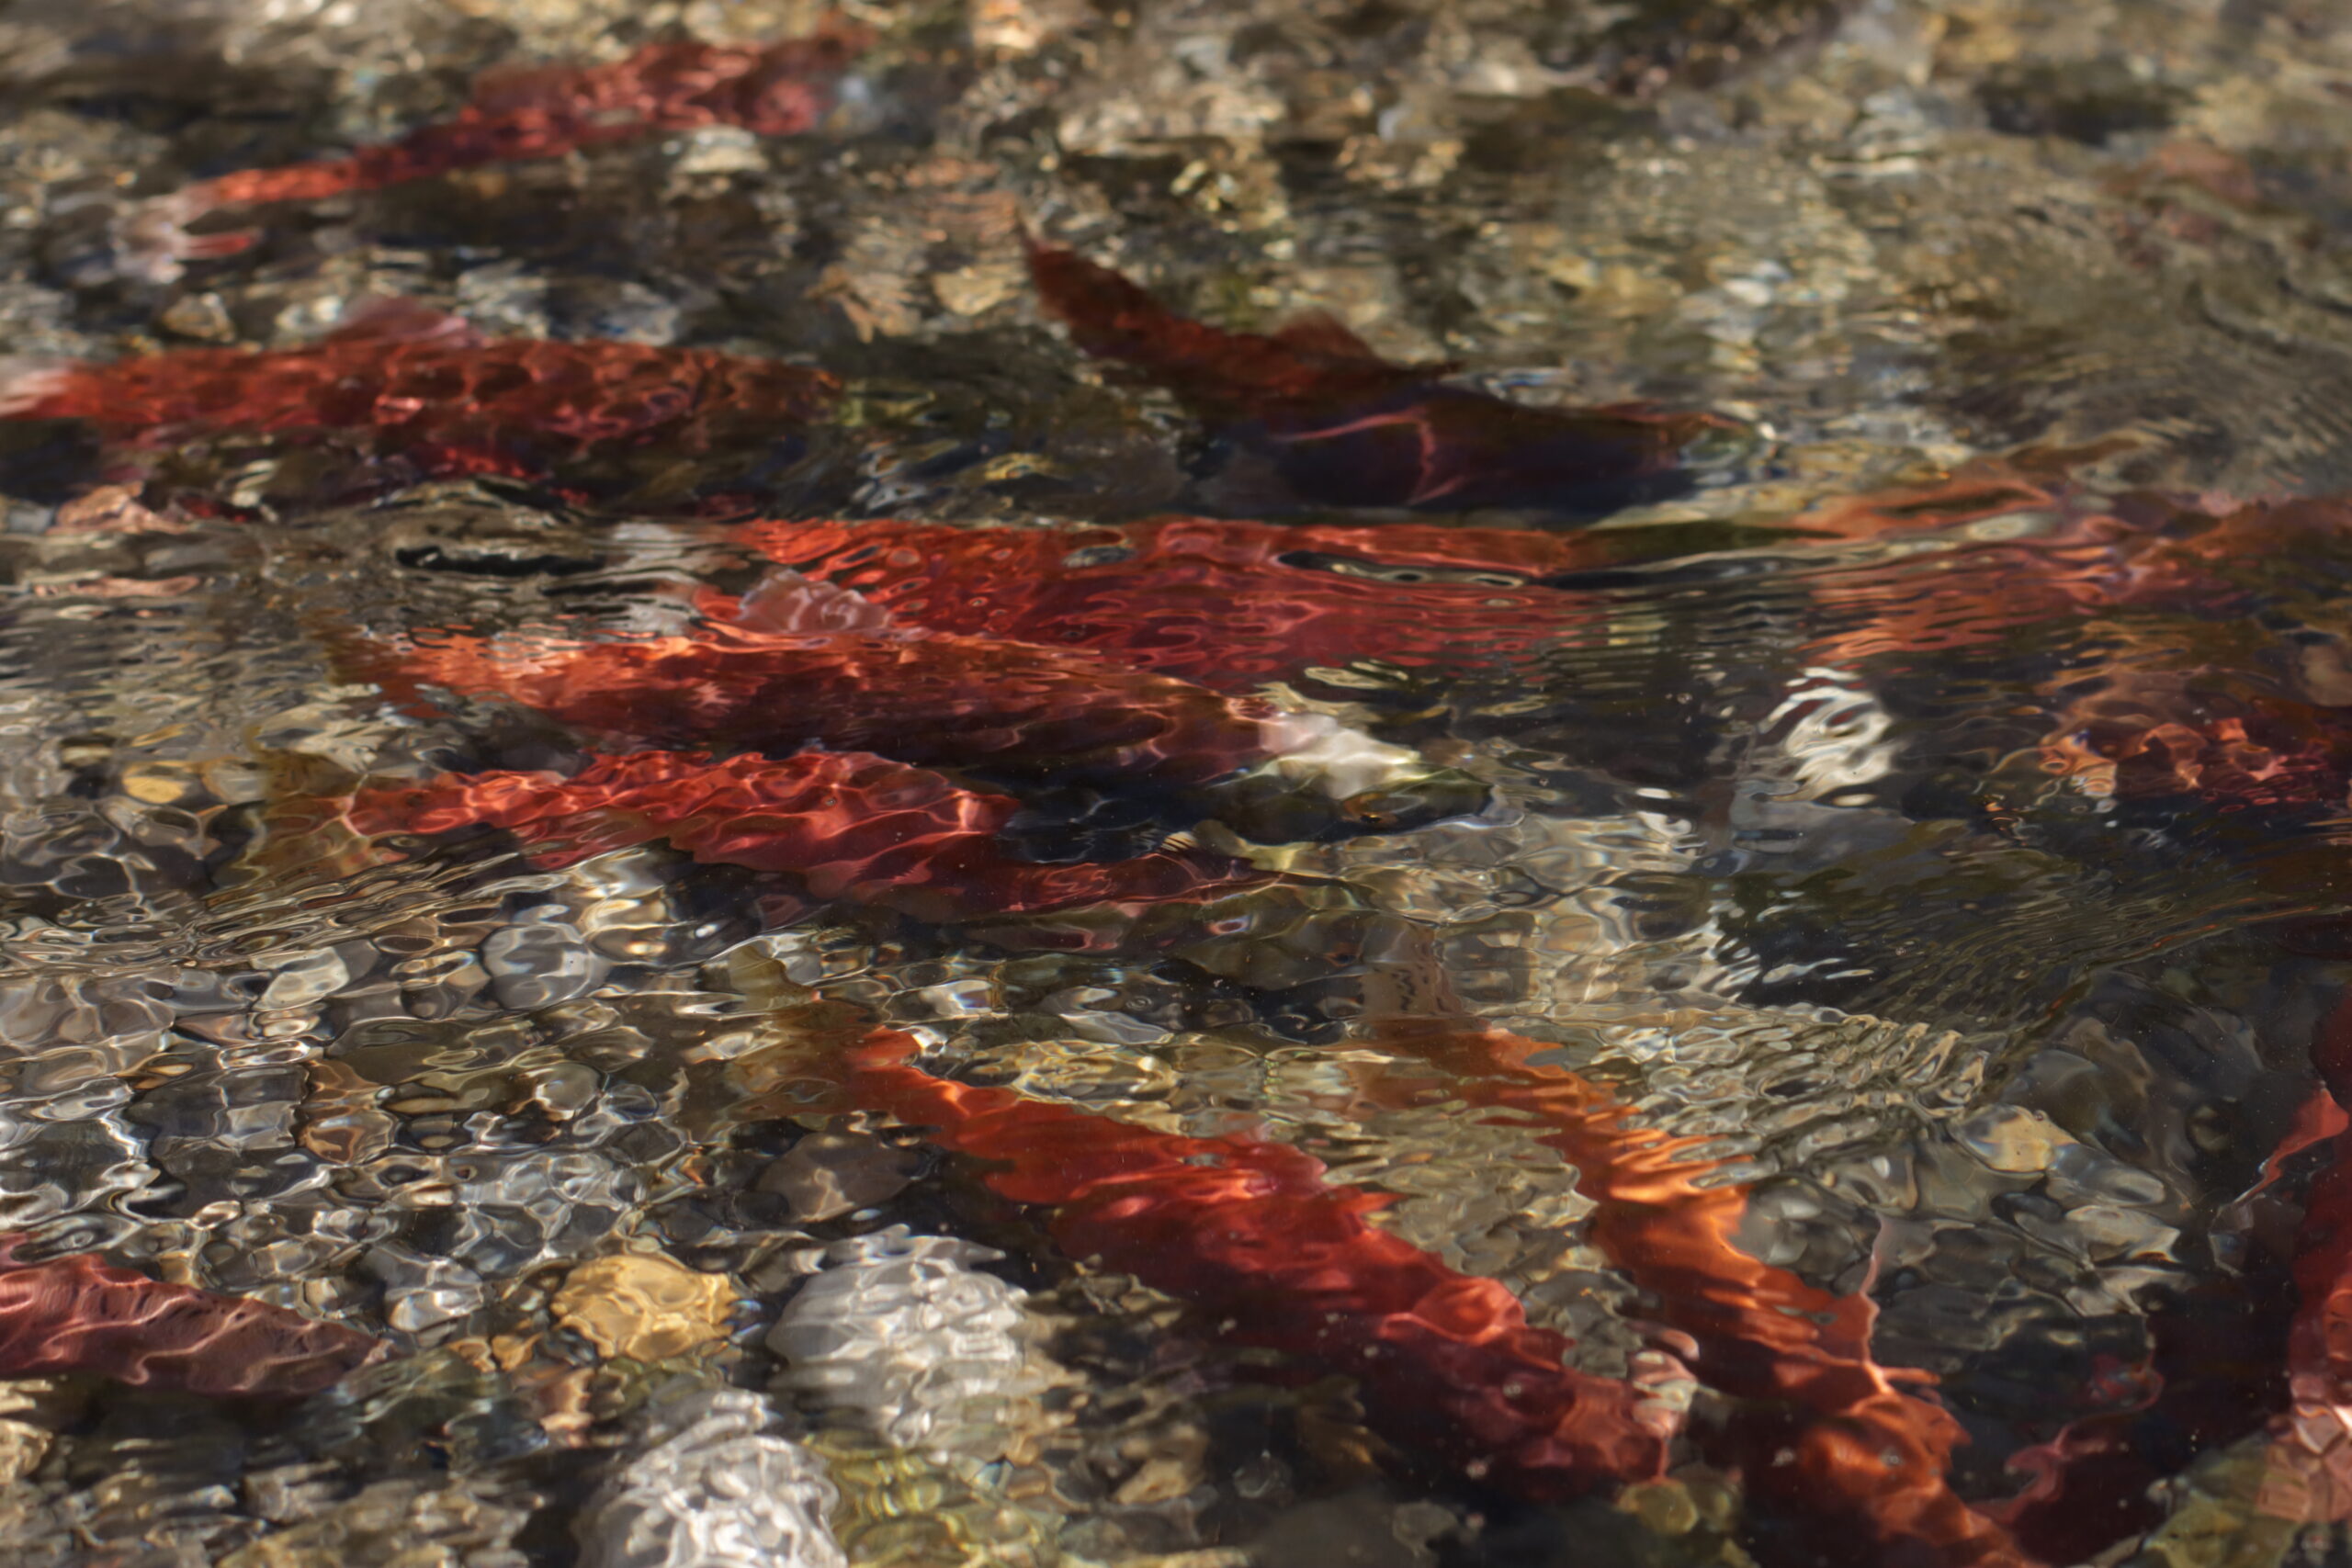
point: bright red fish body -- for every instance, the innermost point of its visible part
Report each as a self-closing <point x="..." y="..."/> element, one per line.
<point x="2201" y="715"/>
<point x="1824" y="1433"/>
<point x="1007" y="707"/>
<point x="78" y="1315"/>
<point x="1250" y="1235"/>
<point x="1343" y="427"/>
<point x="2311" y="1469"/>
<point x="848" y="825"/>
<point x="869" y="695"/>
<point x="2191" y="697"/>
<point x="1233" y="605"/>
<point x="2201" y="705"/>
<point x="1229" y="604"/>
<point x="780" y="89"/>
<point x="427" y="387"/>
<point x="2232" y="742"/>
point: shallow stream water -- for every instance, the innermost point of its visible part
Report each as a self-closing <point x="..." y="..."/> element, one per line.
<point x="1179" y="785"/>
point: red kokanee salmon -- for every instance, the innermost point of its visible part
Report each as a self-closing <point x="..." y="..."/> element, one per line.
<point x="1823" y="1434"/>
<point x="850" y="825"/>
<point x="779" y="89"/>
<point x="810" y="665"/>
<point x="1254" y="1234"/>
<point x="2310" y="1460"/>
<point x="426" y="385"/>
<point x="1236" y="604"/>
<point x="933" y="701"/>
<point x="1228" y="604"/>
<point x="1251" y="1233"/>
<point x="1341" y="426"/>
<point x="79" y="1315"/>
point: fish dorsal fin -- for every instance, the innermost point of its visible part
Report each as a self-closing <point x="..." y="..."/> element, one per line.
<point x="401" y="319"/>
<point x="1320" y="333"/>
<point x="1106" y="313"/>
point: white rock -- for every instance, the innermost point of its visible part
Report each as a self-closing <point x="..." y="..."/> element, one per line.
<point x="715" y="1489"/>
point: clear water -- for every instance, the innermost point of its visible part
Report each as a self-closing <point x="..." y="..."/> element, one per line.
<point x="1780" y="1013"/>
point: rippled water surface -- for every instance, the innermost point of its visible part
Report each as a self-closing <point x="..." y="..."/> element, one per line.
<point x="1179" y="785"/>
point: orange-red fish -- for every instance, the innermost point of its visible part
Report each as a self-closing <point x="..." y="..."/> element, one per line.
<point x="78" y="1315"/>
<point x="2025" y="552"/>
<point x="1250" y="1232"/>
<point x="1343" y="427"/>
<point x="428" y="387"/>
<point x="780" y="89"/>
<point x="935" y="701"/>
<point x="1824" y="1434"/>
<point x="2309" y="1456"/>
<point x="1228" y="604"/>
<point x="850" y="825"/>
<point x="2230" y="740"/>
<point x="938" y="702"/>
<point x="1236" y="604"/>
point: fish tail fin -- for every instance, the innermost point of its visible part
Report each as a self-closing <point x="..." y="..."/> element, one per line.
<point x="33" y="388"/>
<point x="1220" y="373"/>
<point x="151" y="240"/>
